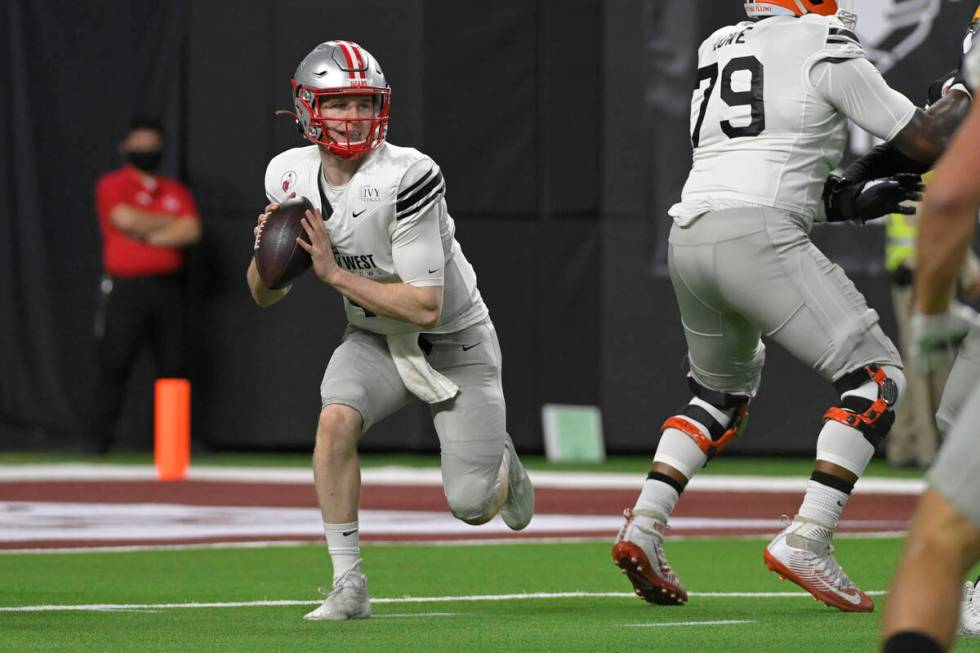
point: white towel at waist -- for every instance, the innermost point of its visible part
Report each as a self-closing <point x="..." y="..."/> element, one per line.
<point x="418" y="376"/>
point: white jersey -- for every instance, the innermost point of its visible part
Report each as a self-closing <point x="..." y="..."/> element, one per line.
<point x="768" y="116"/>
<point x="389" y="223"/>
<point x="971" y="65"/>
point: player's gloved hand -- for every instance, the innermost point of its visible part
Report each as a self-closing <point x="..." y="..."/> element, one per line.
<point x="934" y="338"/>
<point x="871" y="199"/>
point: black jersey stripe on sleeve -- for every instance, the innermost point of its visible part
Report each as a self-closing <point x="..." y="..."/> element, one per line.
<point x="836" y="41"/>
<point x="421" y="180"/>
<point x="846" y="33"/>
<point x="422" y="206"/>
<point x="422" y="192"/>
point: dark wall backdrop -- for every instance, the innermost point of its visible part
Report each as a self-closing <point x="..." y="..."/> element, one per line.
<point x="561" y="128"/>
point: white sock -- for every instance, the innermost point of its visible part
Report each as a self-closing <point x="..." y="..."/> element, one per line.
<point x="344" y="546"/>
<point x="657" y="497"/>
<point x="823" y="503"/>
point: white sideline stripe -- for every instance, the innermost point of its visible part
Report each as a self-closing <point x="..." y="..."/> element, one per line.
<point x="432" y="476"/>
<point x="115" y="523"/>
<point x="99" y="607"/>
<point x="728" y="622"/>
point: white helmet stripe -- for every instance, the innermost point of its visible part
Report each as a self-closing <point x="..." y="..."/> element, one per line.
<point x="360" y="59"/>
<point x="351" y="74"/>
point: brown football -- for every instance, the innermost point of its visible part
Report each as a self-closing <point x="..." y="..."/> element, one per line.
<point x="278" y="258"/>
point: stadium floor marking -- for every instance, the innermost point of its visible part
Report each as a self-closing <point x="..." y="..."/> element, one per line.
<point x="724" y="622"/>
<point x="120" y="523"/>
<point x="103" y="607"/>
<point x="432" y="476"/>
<point x="261" y="544"/>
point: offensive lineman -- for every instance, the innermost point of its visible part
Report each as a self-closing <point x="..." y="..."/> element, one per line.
<point x="383" y="238"/>
<point x="768" y="124"/>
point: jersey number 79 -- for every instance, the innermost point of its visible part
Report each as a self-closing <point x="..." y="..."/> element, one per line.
<point x="753" y="98"/>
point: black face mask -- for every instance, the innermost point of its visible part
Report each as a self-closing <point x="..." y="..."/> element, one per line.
<point x="145" y="160"/>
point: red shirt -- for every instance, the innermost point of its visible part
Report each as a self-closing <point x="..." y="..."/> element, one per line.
<point x="122" y="255"/>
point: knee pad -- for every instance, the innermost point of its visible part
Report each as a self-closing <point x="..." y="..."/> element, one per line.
<point x="472" y="507"/>
<point x="868" y="399"/>
<point x="473" y="501"/>
<point x="710" y="434"/>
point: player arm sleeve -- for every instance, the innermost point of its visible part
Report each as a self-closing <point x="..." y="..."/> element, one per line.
<point x="856" y="88"/>
<point x="273" y="188"/>
<point x="416" y="242"/>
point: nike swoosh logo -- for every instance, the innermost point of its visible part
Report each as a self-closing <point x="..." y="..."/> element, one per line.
<point x="431" y="271"/>
<point x="357" y="213"/>
<point x="346" y="533"/>
<point x="853" y="599"/>
<point x="469" y="347"/>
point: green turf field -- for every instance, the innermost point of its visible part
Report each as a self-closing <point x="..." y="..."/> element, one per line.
<point x="149" y="583"/>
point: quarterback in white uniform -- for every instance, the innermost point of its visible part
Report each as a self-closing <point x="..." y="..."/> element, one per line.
<point x="381" y="235"/>
<point x="768" y="120"/>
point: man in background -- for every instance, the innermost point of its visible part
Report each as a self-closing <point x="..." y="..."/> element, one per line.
<point x="146" y="221"/>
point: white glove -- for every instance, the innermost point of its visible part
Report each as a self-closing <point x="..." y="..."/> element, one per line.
<point x="969" y="611"/>
<point x="936" y="337"/>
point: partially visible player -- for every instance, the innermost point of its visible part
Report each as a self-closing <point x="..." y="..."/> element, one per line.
<point x="383" y="238"/>
<point x="944" y="540"/>
<point x="768" y="124"/>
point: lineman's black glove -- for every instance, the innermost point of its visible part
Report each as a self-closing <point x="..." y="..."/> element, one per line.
<point x="866" y="200"/>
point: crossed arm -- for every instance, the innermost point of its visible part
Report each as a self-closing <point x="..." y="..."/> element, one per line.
<point x="158" y="229"/>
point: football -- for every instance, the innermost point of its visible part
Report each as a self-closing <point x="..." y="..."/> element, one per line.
<point x="278" y="258"/>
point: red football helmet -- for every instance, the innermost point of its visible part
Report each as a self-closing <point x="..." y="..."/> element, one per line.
<point x="341" y="68"/>
<point x="756" y="8"/>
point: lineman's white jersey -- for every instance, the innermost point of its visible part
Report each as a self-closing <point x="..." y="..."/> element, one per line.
<point x="389" y="224"/>
<point x="768" y="114"/>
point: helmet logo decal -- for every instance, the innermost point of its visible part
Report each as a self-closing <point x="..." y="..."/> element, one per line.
<point x="288" y="181"/>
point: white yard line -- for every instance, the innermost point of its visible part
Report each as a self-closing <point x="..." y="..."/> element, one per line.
<point x="668" y="624"/>
<point x="102" y="607"/>
<point x="431" y="476"/>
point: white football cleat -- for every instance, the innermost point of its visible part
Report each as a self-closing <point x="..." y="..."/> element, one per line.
<point x="803" y="554"/>
<point x="970" y="611"/>
<point x="518" y="508"/>
<point x="639" y="552"/>
<point x="347" y="600"/>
